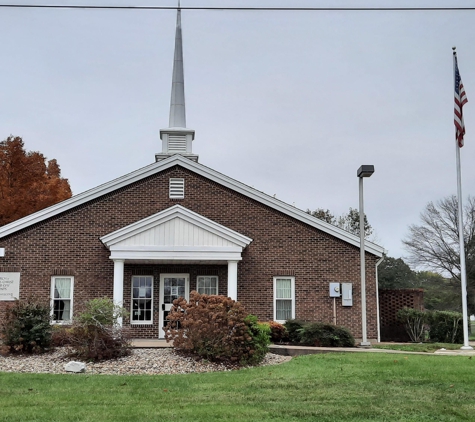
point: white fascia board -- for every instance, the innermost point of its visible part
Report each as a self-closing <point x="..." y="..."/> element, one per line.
<point x="203" y="171"/>
<point x="176" y="255"/>
<point x="176" y="211"/>
<point x="175" y="249"/>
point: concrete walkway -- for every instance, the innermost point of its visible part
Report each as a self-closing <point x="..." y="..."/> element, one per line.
<point x="287" y="350"/>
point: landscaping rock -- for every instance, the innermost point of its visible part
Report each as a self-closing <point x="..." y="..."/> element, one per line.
<point x="75" y="367"/>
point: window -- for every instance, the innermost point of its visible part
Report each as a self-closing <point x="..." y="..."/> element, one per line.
<point x="142" y="299"/>
<point x="207" y="285"/>
<point x="284" y="298"/>
<point x="62" y="298"/>
<point x="177" y="188"/>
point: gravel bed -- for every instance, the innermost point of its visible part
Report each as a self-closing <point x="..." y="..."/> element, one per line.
<point x="140" y="361"/>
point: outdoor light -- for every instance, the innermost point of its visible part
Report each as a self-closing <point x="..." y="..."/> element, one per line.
<point x="363" y="171"/>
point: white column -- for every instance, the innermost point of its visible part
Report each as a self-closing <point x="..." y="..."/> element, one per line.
<point x="232" y="279"/>
<point x="119" y="284"/>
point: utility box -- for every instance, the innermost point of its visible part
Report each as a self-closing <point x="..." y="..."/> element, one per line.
<point x="347" y="294"/>
<point x="335" y="290"/>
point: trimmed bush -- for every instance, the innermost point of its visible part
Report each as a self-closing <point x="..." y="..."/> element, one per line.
<point x="278" y="332"/>
<point x="216" y="328"/>
<point x="325" y="335"/>
<point x="95" y="334"/>
<point x="414" y="322"/>
<point x="318" y="334"/>
<point x="445" y="327"/>
<point x="294" y="329"/>
<point x="27" y="326"/>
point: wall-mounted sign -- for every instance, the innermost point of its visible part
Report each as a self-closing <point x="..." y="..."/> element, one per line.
<point x="9" y="286"/>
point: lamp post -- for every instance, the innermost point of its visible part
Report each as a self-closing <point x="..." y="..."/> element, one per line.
<point x="363" y="171"/>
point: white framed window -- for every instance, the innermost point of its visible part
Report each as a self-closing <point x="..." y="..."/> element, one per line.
<point x="177" y="188"/>
<point x="142" y="299"/>
<point x="62" y="288"/>
<point x="207" y="284"/>
<point x="284" y="298"/>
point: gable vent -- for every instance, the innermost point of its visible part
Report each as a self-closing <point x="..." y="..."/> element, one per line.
<point x="177" y="188"/>
<point x="176" y="143"/>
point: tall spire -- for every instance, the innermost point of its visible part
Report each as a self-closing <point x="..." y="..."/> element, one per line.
<point x="177" y="102"/>
<point x="177" y="139"/>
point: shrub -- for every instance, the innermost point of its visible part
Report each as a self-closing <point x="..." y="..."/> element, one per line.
<point x="294" y="329"/>
<point x="445" y="327"/>
<point x="95" y="334"/>
<point x="216" y="328"/>
<point x="414" y="322"/>
<point x="61" y="336"/>
<point x="325" y="335"/>
<point x="278" y="332"/>
<point x="27" y="326"/>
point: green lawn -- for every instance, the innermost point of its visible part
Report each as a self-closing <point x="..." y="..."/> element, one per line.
<point x="418" y="347"/>
<point x="325" y="387"/>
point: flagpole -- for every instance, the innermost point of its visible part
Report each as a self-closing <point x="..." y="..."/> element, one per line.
<point x="463" y="272"/>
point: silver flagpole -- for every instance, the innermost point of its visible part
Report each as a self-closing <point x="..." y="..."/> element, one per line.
<point x="463" y="275"/>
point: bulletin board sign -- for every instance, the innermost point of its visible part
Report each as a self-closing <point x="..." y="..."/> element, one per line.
<point x="9" y="286"/>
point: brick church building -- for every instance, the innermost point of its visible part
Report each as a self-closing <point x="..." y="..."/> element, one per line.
<point x="175" y="226"/>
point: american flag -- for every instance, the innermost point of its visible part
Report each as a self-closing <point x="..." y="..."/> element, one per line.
<point x="460" y="100"/>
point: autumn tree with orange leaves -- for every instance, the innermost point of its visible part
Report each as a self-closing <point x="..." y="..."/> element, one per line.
<point x="28" y="182"/>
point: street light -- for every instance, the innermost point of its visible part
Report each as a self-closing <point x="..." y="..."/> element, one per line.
<point x="363" y="171"/>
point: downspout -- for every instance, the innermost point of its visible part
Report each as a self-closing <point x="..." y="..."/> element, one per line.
<point x="378" y="323"/>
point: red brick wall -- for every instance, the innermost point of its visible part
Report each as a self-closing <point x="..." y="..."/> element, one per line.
<point x="69" y="244"/>
<point x="390" y="302"/>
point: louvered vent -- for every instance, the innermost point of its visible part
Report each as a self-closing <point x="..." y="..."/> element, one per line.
<point x="177" y="188"/>
<point x="176" y="143"/>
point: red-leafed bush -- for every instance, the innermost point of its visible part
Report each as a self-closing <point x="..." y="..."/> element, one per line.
<point x="278" y="332"/>
<point x="216" y="328"/>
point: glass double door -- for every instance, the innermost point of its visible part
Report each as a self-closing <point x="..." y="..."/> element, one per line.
<point x="172" y="286"/>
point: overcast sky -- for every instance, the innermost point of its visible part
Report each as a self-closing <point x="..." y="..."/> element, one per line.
<point x="289" y="102"/>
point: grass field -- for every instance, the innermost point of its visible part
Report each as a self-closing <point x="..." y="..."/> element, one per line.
<point x="328" y="387"/>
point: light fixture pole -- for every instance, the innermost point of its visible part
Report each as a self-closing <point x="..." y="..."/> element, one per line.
<point x="363" y="171"/>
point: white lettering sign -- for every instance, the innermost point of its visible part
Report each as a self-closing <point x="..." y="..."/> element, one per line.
<point x="9" y="286"/>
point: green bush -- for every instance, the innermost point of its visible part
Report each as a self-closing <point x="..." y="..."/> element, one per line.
<point x="258" y="346"/>
<point x="445" y="327"/>
<point x="294" y="329"/>
<point x="325" y="335"/>
<point x="216" y="328"/>
<point x="95" y="334"/>
<point x="414" y="322"/>
<point x="27" y="326"/>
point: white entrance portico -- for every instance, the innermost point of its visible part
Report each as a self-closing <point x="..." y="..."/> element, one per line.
<point x="175" y="236"/>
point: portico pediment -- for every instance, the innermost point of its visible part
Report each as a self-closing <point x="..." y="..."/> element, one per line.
<point x="176" y="234"/>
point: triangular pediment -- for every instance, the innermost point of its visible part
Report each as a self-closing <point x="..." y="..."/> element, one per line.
<point x="176" y="233"/>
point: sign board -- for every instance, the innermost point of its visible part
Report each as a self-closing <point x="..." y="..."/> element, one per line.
<point x="9" y="286"/>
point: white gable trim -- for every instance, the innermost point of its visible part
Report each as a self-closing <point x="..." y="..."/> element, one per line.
<point x="202" y="170"/>
<point x="234" y="242"/>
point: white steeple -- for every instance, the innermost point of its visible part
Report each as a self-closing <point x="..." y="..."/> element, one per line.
<point x="177" y="139"/>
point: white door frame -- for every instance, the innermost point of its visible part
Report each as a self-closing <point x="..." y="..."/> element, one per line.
<point x="161" y="304"/>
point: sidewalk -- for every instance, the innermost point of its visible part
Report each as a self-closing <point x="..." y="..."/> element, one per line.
<point x="287" y="350"/>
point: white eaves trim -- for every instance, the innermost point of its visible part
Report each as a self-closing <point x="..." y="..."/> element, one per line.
<point x="202" y="170"/>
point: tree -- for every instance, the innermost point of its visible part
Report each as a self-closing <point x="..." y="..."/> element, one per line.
<point x="434" y="244"/>
<point x="394" y="273"/>
<point x="28" y="183"/>
<point x="349" y="222"/>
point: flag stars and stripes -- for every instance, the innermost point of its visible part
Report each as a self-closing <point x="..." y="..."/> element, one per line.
<point x="460" y="100"/>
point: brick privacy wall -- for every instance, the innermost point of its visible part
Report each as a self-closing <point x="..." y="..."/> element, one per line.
<point x="282" y="246"/>
<point x="390" y="302"/>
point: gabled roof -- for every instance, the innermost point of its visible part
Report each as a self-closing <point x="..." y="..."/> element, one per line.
<point x="197" y="168"/>
<point x="176" y="234"/>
